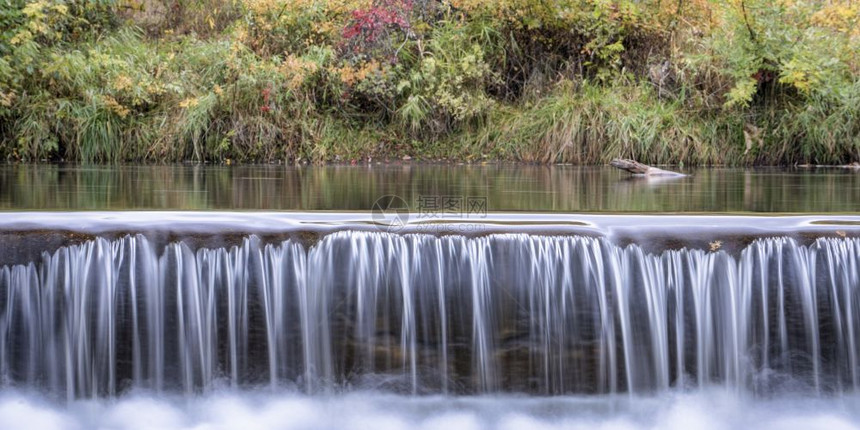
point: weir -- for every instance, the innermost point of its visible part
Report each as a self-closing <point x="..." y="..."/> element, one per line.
<point x="419" y="313"/>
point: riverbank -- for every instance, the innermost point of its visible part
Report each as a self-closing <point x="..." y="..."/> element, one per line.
<point x="575" y="81"/>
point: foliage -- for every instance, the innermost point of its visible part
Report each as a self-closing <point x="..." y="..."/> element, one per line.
<point x="797" y="43"/>
<point x="695" y="81"/>
<point x="793" y="65"/>
<point x="447" y="84"/>
<point x="595" y="123"/>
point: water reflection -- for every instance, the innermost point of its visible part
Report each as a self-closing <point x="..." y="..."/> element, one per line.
<point x="506" y="188"/>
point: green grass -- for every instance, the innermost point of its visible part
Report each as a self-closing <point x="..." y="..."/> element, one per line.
<point x="590" y="124"/>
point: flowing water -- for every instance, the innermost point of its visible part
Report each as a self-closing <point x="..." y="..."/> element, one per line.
<point x="418" y="313"/>
<point x="338" y="320"/>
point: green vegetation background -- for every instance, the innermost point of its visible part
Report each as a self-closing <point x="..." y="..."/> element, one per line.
<point x="580" y="81"/>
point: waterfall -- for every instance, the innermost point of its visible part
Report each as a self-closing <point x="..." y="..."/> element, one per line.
<point x="427" y="314"/>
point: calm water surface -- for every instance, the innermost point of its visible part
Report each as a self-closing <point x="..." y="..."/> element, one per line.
<point x="505" y="188"/>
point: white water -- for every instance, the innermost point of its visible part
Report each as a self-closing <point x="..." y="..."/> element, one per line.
<point x="419" y="313"/>
<point x="128" y="334"/>
<point x="703" y="410"/>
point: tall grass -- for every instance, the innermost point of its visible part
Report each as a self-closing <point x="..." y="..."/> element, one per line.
<point x="819" y="130"/>
<point x="589" y="124"/>
<point x="571" y="81"/>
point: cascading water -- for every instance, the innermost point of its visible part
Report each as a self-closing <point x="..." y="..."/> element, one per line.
<point x="424" y="314"/>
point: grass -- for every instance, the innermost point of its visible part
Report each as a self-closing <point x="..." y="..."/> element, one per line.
<point x="590" y="124"/>
<point x="278" y="80"/>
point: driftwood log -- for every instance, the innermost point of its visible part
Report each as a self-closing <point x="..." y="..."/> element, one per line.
<point x="638" y="168"/>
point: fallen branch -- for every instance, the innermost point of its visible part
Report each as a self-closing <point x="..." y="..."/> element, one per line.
<point x="638" y="168"/>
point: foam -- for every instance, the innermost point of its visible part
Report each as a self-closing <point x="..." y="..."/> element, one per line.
<point x="708" y="410"/>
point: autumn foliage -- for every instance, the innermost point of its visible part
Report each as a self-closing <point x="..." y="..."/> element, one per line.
<point x="693" y="81"/>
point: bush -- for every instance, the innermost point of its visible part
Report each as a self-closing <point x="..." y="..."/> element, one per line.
<point x="743" y="81"/>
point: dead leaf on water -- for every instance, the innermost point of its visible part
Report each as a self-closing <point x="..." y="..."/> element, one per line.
<point x="840" y="233"/>
<point x="715" y="245"/>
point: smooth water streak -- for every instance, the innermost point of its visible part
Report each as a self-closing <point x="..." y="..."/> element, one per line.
<point x="425" y="314"/>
